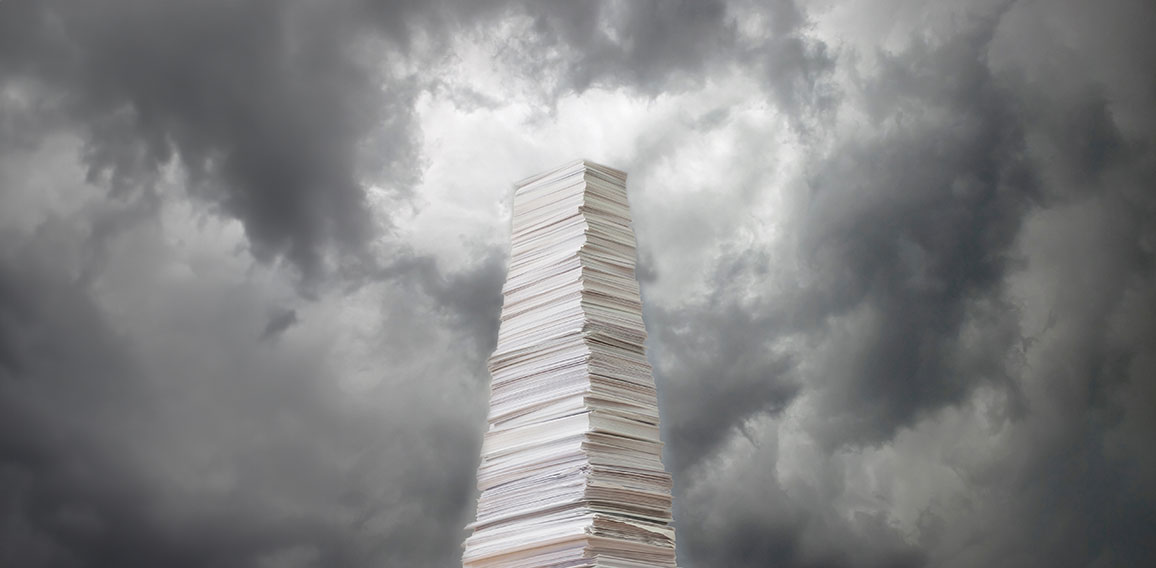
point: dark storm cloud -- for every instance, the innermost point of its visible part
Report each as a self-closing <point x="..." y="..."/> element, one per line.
<point x="907" y="242"/>
<point x="913" y="230"/>
<point x="470" y="299"/>
<point x="655" y="46"/>
<point x="280" y="321"/>
<point x="1082" y="493"/>
<point x="201" y="424"/>
<point x="134" y="449"/>
<point x="631" y="43"/>
<point x="717" y="366"/>
<point x="278" y="115"/>
<point x="264" y="104"/>
<point x="795" y="68"/>
<point x="210" y="446"/>
<point x="747" y="518"/>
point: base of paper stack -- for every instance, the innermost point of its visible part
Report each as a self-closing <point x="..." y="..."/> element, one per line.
<point x="571" y="473"/>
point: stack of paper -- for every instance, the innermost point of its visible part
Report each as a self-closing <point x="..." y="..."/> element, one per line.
<point x="571" y="472"/>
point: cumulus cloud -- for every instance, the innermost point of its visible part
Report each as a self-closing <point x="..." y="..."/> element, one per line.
<point x="897" y="267"/>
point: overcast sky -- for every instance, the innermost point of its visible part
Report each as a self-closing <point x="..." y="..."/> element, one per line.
<point x="898" y="263"/>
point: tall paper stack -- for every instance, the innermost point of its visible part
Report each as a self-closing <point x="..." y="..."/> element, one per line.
<point x="571" y="472"/>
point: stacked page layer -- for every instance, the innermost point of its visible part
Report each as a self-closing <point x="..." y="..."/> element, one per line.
<point x="571" y="472"/>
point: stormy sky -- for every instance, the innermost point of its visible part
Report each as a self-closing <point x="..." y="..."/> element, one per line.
<point x="898" y="262"/>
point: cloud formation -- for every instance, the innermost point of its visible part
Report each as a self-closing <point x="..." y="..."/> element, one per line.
<point x="897" y="266"/>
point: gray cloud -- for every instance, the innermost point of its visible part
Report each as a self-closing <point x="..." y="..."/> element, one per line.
<point x="654" y="47"/>
<point x="632" y="43"/>
<point x="942" y="361"/>
<point x="272" y="108"/>
<point x="793" y="525"/>
<point x="718" y="367"/>
<point x="279" y="321"/>
<point x="200" y="444"/>
<point x="918" y="245"/>
<point x="264" y="105"/>
<point x="909" y="242"/>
